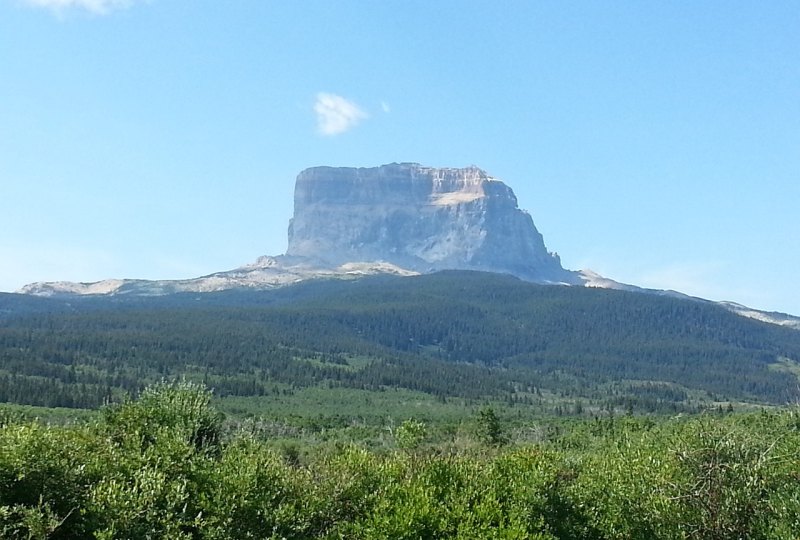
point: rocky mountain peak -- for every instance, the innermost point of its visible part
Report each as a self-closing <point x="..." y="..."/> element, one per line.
<point x="420" y="218"/>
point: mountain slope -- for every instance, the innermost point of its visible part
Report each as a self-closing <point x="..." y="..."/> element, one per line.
<point x="449" y="334"/>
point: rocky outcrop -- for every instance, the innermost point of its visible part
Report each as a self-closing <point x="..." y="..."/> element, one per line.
<point x="265" y="273"/>
<point x="420" y="218"/>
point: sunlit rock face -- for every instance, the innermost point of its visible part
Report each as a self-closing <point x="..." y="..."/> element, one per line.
<point x="420" y="218"/>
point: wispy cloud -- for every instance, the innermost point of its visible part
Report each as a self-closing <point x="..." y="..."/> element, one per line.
<point x="336" y="114"/>
<point x="99" y="7"/>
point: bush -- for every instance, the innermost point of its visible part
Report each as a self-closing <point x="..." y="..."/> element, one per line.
<point x="181" y="407"/>
<point x="410" y="434"/>
<point x="157" y="468"/>
<point x="46" y="474"/>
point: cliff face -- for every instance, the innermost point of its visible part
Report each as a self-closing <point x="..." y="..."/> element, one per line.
<point x="419" y="218"/>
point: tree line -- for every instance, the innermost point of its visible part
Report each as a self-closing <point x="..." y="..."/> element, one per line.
<point x="455" y="334"/>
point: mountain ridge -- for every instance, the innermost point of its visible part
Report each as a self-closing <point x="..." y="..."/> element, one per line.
<point x="398" y="219"/>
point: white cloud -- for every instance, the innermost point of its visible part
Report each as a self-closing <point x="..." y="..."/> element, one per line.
<point x="99" y="7"/>
<point x="336" y="114"/>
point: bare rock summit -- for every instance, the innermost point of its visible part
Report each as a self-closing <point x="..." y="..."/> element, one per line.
<point x="401" y="219"/>
<point x="419" y="218"/>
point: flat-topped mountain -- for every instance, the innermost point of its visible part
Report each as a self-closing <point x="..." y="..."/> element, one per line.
<point x="419" y="218"/>
<point x="401" y="219"/>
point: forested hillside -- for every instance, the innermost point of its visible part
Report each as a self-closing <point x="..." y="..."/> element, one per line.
<point x="450" y="335"/>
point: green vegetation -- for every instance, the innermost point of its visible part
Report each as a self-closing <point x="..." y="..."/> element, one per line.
<point x="168" y="466"/>
<point x="489" y="430"/>
<point x="463" y="336"/>
<point x="455" y="405"/>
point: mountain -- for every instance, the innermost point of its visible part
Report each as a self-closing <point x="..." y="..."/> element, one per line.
<point x="420" y="218"/>
<point x="398" y="219"/>
<point x="401" y="219"/>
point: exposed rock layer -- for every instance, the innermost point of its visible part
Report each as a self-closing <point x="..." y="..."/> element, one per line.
<point x="420" y="218"/>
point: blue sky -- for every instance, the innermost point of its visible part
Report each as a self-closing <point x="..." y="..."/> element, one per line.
<point x="657" y="143"/>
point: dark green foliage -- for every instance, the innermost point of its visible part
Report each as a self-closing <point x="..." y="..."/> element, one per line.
<point x="488" y="428"/>
<point x="160" y="463"/>
<point x="453" y="334"/>
<point x="45" y="479"/>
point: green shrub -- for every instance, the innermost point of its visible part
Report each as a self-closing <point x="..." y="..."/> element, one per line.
<point x="410" y="434"/>
<point x="46" y="474"/>
<point x="181" y="407"/>
<point x="157" y="468"/>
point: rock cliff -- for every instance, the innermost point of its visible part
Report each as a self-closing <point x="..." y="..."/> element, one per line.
<point x="420" y="218"/>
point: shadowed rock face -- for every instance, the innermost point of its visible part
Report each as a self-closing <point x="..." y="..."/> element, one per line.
<point x="420" y="218"/>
